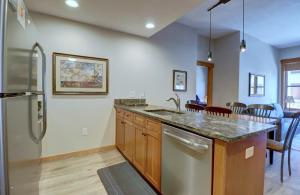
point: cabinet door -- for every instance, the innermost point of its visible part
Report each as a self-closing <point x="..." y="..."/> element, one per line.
<point x="129" y="140"/>
<point x="120" y="134"/>
<point x="153" y="160"/>
<point x="139" y="155"/>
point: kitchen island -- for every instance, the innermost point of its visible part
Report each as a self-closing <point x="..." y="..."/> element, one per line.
<point x="239" y="146"/>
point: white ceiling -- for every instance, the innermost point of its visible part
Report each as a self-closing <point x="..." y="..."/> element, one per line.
<point x="123" y="15"/>
<point x="276" y="22"/>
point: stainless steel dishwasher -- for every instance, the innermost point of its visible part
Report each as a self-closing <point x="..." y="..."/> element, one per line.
<point x="186" y="163"/>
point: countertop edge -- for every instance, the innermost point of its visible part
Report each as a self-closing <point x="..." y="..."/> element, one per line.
<point x="189" y="129"/>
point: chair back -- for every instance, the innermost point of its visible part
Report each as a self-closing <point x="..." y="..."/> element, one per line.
<point x="236" y="107"/>
<point x="288" y="140"/>
<point x="218" y="111"/>
<point x="194" y="107"/>
<point x="260" y="110"/>
<point x="192" y="102"/>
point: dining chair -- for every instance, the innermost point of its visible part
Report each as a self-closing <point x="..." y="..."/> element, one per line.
<point x="219" y="111"/>
<point x="236" y="107"/>
<point x="192" y="102"/>
<point x="260" y="110"/>
<point x="194" y="107"/>
<point x="280" y="147"/>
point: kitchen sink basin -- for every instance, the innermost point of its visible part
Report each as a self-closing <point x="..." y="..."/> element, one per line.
<point x="164" y="112"/>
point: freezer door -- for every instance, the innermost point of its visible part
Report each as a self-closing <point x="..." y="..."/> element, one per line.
<point x="20" y="116"/>
<point x="20" y="61"/>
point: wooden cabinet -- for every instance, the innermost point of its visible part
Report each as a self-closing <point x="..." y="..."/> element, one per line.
<point x="139" y="159"/>
<point x="128" y="140"/>
<point x="125" y="133"/>
<point x="153" y="153"/>
<point x="153" y="160"/>
<point x="120" y="134"/>
<point x="141" y="145"/>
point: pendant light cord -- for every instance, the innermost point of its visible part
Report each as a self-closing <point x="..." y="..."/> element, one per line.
<point x="243" y="19"/>
<point x="209" y="30"/>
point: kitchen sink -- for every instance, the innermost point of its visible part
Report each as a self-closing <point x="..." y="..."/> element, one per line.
<point x="164" y="112"/>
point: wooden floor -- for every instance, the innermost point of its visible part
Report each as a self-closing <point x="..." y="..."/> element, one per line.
<point x="77" y="176"/>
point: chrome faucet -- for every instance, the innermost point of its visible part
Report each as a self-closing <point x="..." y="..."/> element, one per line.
<point x="176" y="101"/>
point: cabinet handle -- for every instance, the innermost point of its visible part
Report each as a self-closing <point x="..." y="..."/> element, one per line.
<point x="145" y="134"/>
<point x="123" y="122"/>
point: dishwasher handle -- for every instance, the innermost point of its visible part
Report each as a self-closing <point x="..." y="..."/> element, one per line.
<point x="200" y="147"/>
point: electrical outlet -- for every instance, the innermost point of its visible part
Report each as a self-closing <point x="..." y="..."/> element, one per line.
<point x="249" y="152"/>
<point x="84" y="131"/>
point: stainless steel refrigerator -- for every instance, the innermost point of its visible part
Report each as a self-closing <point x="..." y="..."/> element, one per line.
<point x="22" y="105"/>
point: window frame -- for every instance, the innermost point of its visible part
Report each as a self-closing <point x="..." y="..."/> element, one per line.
<point x="284" y="82"/>
<point x="256" y="87"/>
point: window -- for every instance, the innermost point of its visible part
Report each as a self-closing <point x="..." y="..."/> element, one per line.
<point x="291" y="84"/>
<point x="293" y="89"/>
<point x="256" y="85"/>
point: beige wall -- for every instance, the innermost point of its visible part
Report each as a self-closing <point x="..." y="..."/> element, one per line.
<point x="260" y="58"/>
<point x="232" y="68"/>
<point x="290" y="52"/>
<point x="136" y="64"/>
<point x="226" y="71"/>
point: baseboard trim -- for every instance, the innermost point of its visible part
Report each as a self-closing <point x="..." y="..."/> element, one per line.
<point x="77" y="153"/>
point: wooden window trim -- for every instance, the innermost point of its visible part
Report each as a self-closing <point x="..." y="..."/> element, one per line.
<point x="283" y="81"/>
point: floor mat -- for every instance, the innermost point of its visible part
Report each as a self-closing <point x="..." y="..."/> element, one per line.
<point x="123" y="179"/>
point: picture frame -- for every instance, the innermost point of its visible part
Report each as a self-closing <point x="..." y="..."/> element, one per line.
<point x="256" y="85"/>
<point x="79" y="75"/>
<point x="179" y="80"/>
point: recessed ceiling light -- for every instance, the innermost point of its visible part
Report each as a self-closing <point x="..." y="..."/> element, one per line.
<point x="72" y="3"/>
<point x="150" y="25"/>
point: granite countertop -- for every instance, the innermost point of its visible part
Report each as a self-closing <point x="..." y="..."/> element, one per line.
<point x="215" y="127"/>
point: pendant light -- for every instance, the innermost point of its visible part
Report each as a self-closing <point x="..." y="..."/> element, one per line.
<point x="209" y="52"/>
<point x="243" y="46"/>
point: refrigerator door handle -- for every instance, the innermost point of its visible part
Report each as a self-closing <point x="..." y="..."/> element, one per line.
<point x="37" y="45"/>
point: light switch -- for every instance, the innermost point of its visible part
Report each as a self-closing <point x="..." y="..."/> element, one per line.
<point x="249" y="152"/>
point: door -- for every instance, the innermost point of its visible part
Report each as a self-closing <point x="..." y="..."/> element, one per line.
<point x="153" y="159"/>
<point x="120" y="136"/>
<point x="204" y="85"/>
<point x="20" y="61"/>
<point x="139" y="155"/>
<point x="23" y="149"/>
<point x="129" y="140"/>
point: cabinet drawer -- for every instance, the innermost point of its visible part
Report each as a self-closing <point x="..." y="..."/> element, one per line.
<point x="128" y="116"/>
<point x="153" y="128"/>
<point x="120" y="113"/>
<point x="139" y="120"/>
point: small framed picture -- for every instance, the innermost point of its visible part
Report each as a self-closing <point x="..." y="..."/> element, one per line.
<point x="179" y="80"/>
<point x="256" y="85"/>
<point x="79" y="75"/>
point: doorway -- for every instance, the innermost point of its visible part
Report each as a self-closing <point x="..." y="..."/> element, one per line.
<point x="204" y="85"/>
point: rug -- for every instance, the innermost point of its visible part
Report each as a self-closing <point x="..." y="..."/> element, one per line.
<point x="123" y="179"/>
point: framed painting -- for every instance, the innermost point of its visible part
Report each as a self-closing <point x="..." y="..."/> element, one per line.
<point x="256" y="85"/>
<point x="79" y="75"/>
<point x="179" y="80"/>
